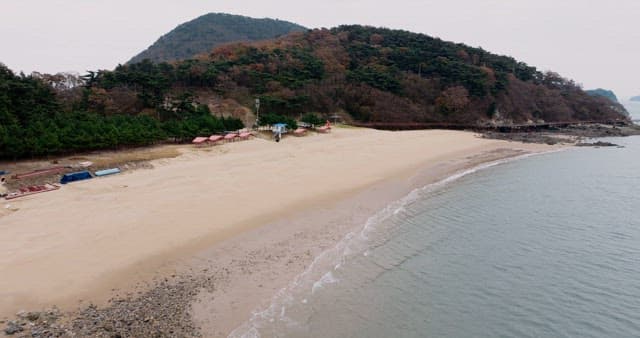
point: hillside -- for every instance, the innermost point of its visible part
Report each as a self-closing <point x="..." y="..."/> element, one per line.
<point x="604" y="93"/>
<point x="370" y="75"/>
<point x="364" y="74"/>
<point x="202" y="34"/>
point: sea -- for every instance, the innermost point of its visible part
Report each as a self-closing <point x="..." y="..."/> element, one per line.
<point x="538" y="246"/>
<point x="633" y="107"/>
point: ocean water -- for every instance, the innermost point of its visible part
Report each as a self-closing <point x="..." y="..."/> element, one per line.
<point x="634" y="110"/>
<point x="543" y="246"/>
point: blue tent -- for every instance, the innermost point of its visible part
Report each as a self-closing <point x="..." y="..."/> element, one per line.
<point x="77" y="176"/>
<point x="279" y="128"/>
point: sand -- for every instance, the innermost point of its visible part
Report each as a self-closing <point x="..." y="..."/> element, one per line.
<point x="257" y="210"/>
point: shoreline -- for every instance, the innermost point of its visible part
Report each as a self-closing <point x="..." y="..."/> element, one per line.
<point x="319" y="271"/>
<point x="244" y="265"/>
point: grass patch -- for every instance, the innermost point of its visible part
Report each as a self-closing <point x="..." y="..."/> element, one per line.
<point x="136" y="155"/>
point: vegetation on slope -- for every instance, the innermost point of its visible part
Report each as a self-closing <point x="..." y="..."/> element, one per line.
<point x="374" y="75"/>
<point x="204" y="33"/>
<point x="36" y="119"/>
<point x="604" y="93"/>
<point x="367" y="74"/>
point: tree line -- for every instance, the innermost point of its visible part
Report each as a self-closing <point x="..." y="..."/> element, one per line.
<point x="363" y="73"/>
<point x="35" y="121"/>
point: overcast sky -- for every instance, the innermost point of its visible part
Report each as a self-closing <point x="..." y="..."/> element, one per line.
<point x="596" y="43"/>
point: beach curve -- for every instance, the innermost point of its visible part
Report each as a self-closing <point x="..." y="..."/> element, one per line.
<point x="90" y="238"/>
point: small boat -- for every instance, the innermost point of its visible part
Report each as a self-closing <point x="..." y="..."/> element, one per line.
<point x="34" y="189"/>
<point x="40" y="172"/>
<point x="85" y="164"/>
<point x="107" y="172"/>
<point x="73" y="177"/>
<point x="325" y="129"/>
<point x="300" y="131"/>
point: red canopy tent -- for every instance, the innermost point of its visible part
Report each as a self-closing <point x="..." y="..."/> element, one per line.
<point x="230" y="137"/>
<point x="200" y="140"/>
<point x="215" y="138"/>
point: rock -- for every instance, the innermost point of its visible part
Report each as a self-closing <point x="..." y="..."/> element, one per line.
<point x="13" y="328"/>
<point x="107" y="327"/>
<point x="597" y="144"/>
<point x="33" y="316"/>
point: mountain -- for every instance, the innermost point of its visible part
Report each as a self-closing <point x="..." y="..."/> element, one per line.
<point x="364" y="74"/>
<point x="635" y="99"/>
<point x="204" y="33"/>
<point x="371" y="75"/>
<point x="604" y="93"/>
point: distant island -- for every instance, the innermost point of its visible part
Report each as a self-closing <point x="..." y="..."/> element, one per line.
<point x="635" y="99"/>
<point x="202" y="34"/>
<point x="604" y="93"/>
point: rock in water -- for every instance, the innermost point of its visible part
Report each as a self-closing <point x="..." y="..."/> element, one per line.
<point x="597" y="144"/>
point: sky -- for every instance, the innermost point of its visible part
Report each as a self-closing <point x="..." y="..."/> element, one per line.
<point x="595" y="43"/>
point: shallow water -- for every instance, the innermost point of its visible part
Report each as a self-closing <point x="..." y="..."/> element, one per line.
<point x="546" y="246"/>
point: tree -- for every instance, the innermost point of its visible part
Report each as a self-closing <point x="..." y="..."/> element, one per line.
<point x="312" y="119"/>
<point x="453" y="100"/>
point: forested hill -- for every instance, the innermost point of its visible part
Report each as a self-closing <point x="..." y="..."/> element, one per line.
<point x="204" y="33"/>
<point x="364" y="74"/>
<point x="372" y="75"/>
<point x="604" y="93"/>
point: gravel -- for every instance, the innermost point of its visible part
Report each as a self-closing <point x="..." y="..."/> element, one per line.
<point x="161" y="311"/>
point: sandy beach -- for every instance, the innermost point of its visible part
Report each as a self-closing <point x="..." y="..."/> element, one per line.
<point x="240" y="221"/>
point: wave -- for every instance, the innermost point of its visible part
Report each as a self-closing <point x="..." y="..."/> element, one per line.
<point x="357" y="242"/>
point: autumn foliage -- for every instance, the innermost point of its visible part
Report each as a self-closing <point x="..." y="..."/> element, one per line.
<point x="370" y="74"/>
<point x="365" y="74"/>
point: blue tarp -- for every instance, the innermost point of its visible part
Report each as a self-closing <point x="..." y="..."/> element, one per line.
<point x="78" y="176"/>
<point x="107" y="172"/>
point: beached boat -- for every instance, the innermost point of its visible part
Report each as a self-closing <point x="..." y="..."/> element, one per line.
<point x="34" y="189"/>
<point x="73" y="177"/>
<point x="325" y="129"/>
<point x="40" y="172"/>
<point x="300" y="131"/>
<point x="106" y="172"/>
